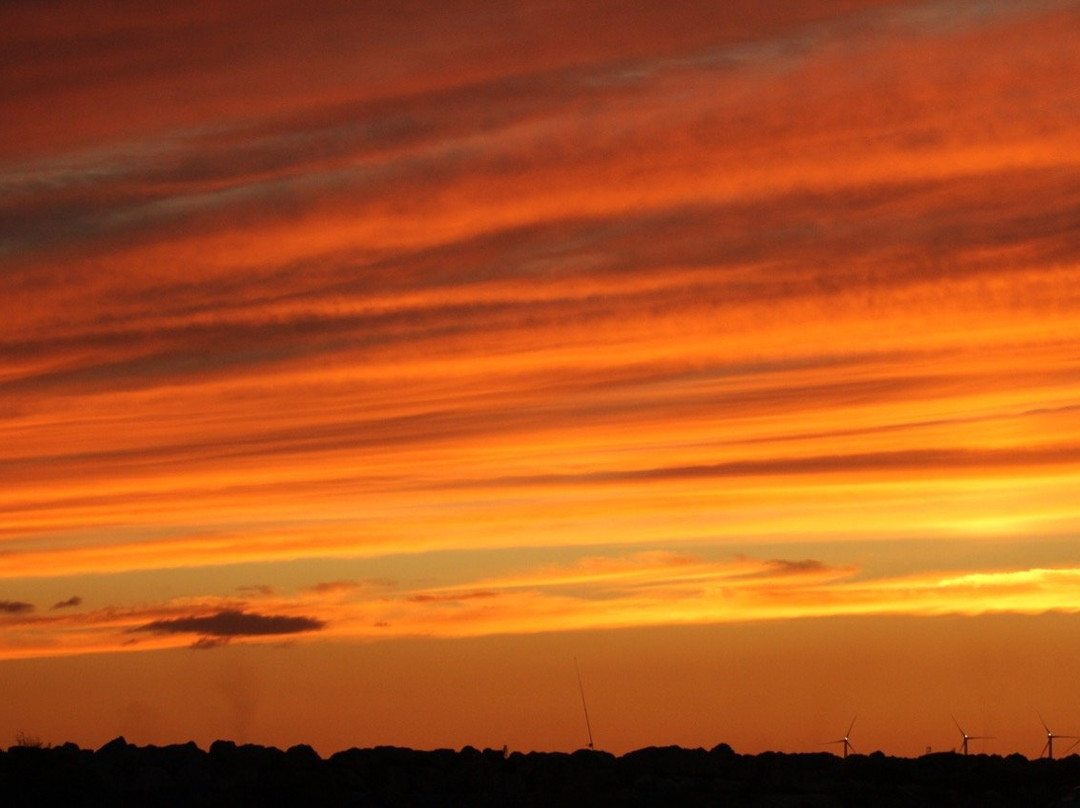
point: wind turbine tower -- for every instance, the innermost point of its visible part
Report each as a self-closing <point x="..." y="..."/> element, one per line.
<point x="1049" y="747"/>
<point x="969" y="737"/>
<point x="846" y="740"/>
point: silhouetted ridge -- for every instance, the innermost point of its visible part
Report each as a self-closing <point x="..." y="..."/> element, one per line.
<point x="246" y="774"/>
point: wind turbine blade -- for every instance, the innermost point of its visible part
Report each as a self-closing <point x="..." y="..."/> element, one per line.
<point x="953" y="717"/>
<point x="1045" y="747"/>
<point x="1042" y="722"/>
<point x="852" y="726"/>
<point x="1071" y="746"/>
<point x="851" y="747"/>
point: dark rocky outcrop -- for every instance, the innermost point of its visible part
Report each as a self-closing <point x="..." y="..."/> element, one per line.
<point x="228" y="774"/>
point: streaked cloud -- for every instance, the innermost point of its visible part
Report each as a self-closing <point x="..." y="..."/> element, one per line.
<point x="614" y="282"/>
<point x="656" y="588"/>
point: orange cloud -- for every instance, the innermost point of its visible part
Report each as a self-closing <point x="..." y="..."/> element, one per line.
<point x="617" y="278"/>
<point x="646" y="589"/>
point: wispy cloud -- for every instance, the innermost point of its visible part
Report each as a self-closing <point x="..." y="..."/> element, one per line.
<point x="552" y="277"/>
<point x="256" y="590"/>
<point x="333" y="587"/>
<point x="654" y="588"/>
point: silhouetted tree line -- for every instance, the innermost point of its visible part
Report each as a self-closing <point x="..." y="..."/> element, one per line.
<point x="227" y="775"/>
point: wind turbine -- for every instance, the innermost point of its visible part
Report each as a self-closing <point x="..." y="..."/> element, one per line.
<point x="1049" y="747"/>
<point x="846" y="740"/>
<point x="969" y="737"/>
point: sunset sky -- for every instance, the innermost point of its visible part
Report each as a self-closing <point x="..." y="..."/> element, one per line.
<point x="362" y="365"/>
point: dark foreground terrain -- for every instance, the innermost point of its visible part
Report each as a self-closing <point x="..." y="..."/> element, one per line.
<point x="227" y="774"/>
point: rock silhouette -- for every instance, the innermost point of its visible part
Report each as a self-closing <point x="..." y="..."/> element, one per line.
<point x="228" y="774"/>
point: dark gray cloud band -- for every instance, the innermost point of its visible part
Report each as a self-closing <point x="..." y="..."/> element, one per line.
<point x="234" y="623"/>
<point x="15" y="607"/>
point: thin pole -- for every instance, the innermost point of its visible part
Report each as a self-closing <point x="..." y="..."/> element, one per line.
<point x="584" y="706"/>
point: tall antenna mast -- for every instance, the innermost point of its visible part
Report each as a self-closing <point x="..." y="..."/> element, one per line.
<point x="584" y="706"/>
